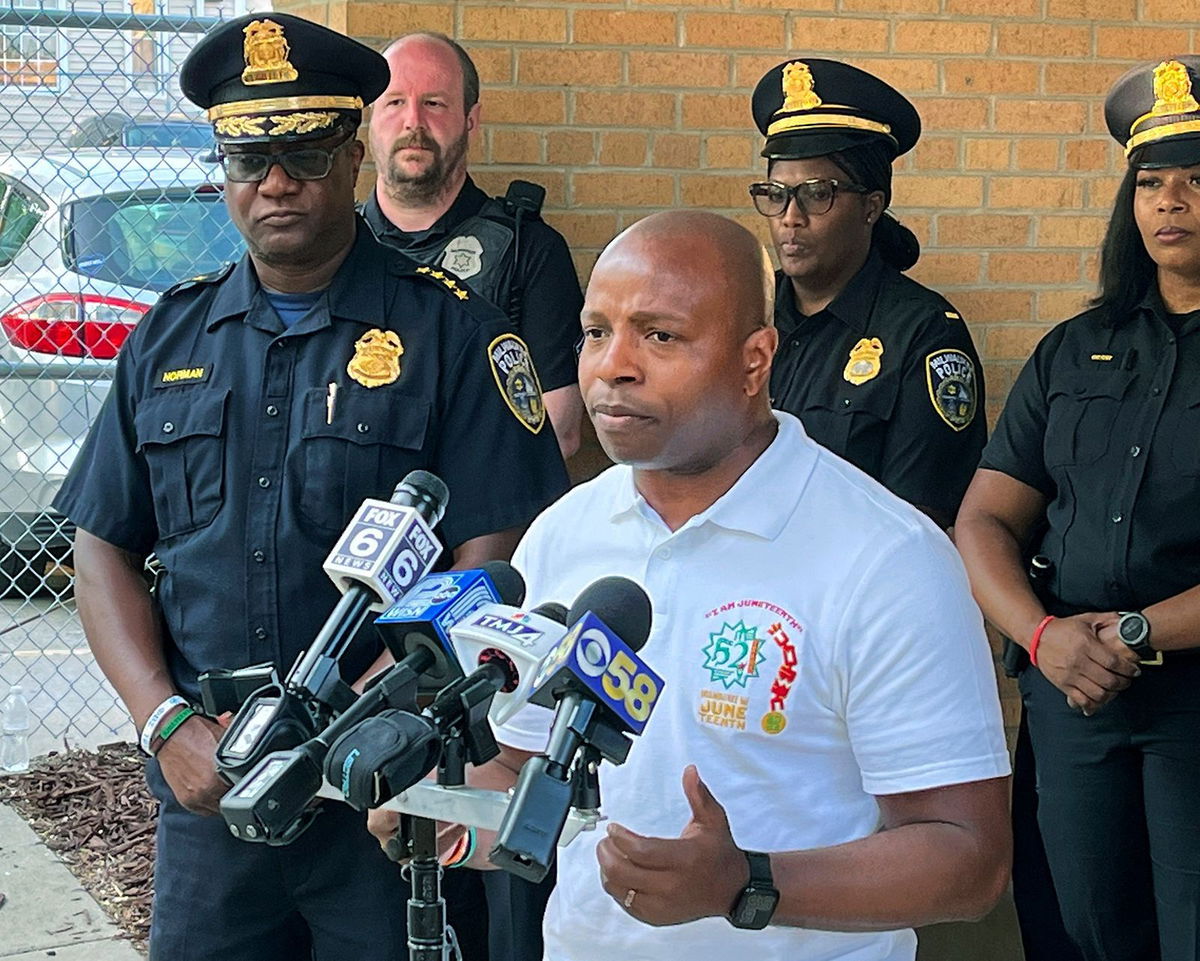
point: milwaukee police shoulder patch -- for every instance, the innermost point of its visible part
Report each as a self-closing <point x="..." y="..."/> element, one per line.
<point x="512" y="366"/>
<point x="950" y="376"/>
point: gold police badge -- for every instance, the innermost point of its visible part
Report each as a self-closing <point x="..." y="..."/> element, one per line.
<point x="864" y="363"/>
<point x="266" y="52"/>
<point x="512" y="366"/>
<point x="376" y="359"/>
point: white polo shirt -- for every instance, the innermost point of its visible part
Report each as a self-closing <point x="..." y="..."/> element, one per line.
<point x="819" y="645"/>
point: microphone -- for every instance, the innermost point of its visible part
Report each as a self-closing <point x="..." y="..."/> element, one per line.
<point x="388" y="546"/>
<point x="601" y="690"/>
<point x="514" y="642"/>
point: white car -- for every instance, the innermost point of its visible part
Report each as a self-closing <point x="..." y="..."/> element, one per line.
<point x="88" y="241"/>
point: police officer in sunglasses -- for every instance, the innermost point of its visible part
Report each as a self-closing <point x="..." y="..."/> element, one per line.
<point x="251" y="412"/>
<point x="880" y="369"/>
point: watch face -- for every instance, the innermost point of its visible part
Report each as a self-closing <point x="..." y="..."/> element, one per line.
<point x="1132" y="628"/>
<point x="754" y="908"/>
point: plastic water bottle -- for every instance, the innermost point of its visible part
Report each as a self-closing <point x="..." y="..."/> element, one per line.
<point x="14" y="732"/>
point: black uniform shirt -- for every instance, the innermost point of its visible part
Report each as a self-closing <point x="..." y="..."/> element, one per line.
<point x="1105" y="422"/>
<point x="216" y="449"/>
<point x="887" y="377"/>
<point x="551" y="300"/>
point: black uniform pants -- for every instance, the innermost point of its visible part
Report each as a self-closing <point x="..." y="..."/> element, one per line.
<point x="1117" y="805"/>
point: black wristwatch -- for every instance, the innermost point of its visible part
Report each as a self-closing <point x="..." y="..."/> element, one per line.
<point x="757" y="901"/>
<point x="1134" y="631"/>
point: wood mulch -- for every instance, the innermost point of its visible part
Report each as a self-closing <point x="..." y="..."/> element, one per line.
<point x="95" y="811"/>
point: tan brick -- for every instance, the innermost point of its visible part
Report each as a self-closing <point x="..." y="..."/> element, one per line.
<point x="989" y="154"/>
<point x="942" y="36"/>
<point x="1090" y="154"/>
<point x="584" y="230"/>
<point x="495" y="64"/>
<point x="1101" y="191"/>
<point x="995" y="9"/>
<point x="1084" y="79"/>
<point x="1092" y="10"/>
<point x="607" y="189"/>
<point x="332" y="15"/>
<point x="930" y="190"/>
<point x="584" y="261"/>
<point x="1140" y="43"/>
<point x="936" y="153"/>
<point x="521" y="24"/>
<point x="982" y="230"/>
<point x="716" y="111"/>
<point x="687" y="69"/>
<point x="624" y="28"/>
<point x="715" y="192"/>
<point x="1012" y="341"/>
<point x="392" y="19"/>
<point x="1091" y="268"/>
<point x="622" y="109"/>
<point x="1037" y="154"/>
<point x="838" y="34"/>
<point x="989" y="305"/>
<point x="919" y="224"/>
<point x="748" y="68"/>
<point x="1033" y="267"/>
<point x="1164" y="11"/>
<point x="515" y="146"/>
<point x="1073" y="231"/>
<point x="740" y="30"/>
<point x="968" y="114"/>
<point x="1043" y="40"/>
<point x="676" y="150"/>
<point x="913" y="76"/>
<point x="496" y="180"/>
<point x="1056" y="305"/>
<point x="890" y="6"/>
<point x="517" y="106"/>
<point x="623" y="149"/>
<point x="724" y="151"/>
<point x="990" y="76"/>
<point x="1041" y="116"/>
<point x="570" y="148"/>
<point x="788" y="6"/>
<point x="937" y="270"/>
<point x="1034" y="192"/>
<point x="568" y="67"/>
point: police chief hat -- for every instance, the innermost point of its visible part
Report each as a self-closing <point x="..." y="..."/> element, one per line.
<point x="277" y="78"/>
<point x="1153" y="112"/>
<point x="813" y="107"/>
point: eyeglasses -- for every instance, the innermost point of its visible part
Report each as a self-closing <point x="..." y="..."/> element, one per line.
<point x="813" y="197"/>
<point x="314" y="163"/>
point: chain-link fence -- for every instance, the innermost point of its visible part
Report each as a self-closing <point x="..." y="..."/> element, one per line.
<point x="109" y="193"/>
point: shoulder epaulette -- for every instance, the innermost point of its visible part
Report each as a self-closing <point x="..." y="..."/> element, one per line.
<point x="210" y="278"/>
<point x="443" y="278"/>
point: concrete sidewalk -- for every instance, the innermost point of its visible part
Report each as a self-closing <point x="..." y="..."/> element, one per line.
<point x="47" y="913"/>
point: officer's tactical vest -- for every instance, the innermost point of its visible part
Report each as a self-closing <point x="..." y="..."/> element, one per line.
<point x="482" y="250"/>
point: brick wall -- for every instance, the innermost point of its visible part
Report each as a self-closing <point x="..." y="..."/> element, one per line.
<point x="621" y="108"/>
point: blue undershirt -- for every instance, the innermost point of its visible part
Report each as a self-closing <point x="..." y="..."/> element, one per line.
<point x="292" y="307"/>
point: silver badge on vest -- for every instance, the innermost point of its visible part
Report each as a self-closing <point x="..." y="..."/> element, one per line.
<point x="464" y="256"/>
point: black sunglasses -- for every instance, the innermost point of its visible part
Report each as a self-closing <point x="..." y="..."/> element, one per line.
<point x="311" y="163"/>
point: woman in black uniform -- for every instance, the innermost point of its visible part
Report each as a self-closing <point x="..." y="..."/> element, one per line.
<point x="1098" y="450"/>
<point x="880" y="369"/>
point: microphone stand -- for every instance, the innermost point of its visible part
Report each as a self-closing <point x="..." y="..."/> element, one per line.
<point x="429" y="939"/>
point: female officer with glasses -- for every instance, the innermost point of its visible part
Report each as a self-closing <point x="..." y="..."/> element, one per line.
<point x="880" y="369"/>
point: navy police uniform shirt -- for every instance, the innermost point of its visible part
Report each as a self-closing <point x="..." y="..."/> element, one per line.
<point x="1103" y="421"/>
<point x="886" y="377"/>
<point x="219" y="450"/>
<point x="551" y="299"/>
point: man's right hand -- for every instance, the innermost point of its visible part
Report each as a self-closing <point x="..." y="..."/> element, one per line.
<point x="188" y="763"/>
<point x="1089" y="671"/>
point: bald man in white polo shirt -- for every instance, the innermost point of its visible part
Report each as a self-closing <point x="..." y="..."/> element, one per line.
<point x="830" y="702"/>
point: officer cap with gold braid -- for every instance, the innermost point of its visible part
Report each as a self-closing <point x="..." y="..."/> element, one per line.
<point x="813" y="107"/>
<point x="275" y="78"/>
<point x="1153" y="111"/>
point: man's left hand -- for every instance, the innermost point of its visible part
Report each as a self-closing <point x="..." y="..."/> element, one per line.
<point x="664" y="881"/>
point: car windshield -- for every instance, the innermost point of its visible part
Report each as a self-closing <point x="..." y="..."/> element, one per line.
<point x="192" y="136"/>
<point x="150" y="239"/>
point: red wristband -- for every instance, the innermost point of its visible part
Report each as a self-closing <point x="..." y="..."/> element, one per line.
<point x="1037" y="638"/>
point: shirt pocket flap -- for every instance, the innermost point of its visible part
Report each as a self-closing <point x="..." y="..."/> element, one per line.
<point x="1085" y="384"/>
<point x="168" y="420"/>
<point x="391" y="418"/>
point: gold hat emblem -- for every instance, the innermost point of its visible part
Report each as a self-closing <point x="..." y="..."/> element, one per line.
<point x="376" y="359"/>
<point x="266" y="51"/>
<point x="1172" y="90"/>
<point x="798" y="90"/>
<point x="864" y="363"/>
